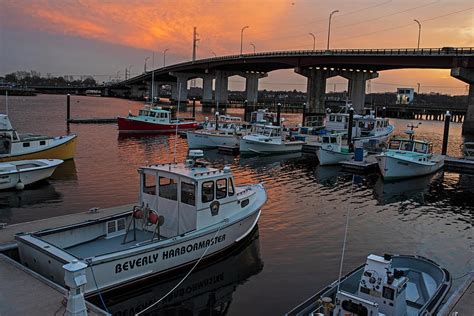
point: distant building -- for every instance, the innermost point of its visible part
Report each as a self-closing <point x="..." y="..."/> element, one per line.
<point x="405" y="95"/>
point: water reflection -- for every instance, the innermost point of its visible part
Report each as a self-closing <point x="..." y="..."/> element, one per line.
<point x="414" y="190"/>
<point x="65" y="171"/>
<point x="207" y="291"/>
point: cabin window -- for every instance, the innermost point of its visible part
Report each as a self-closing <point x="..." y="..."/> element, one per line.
<point x="207" y="191"/>
<point x="420" y="148"/>
<point x="378" y="124"/>
<point x="408" y="146"/>
<point x="221" y="188"/>
<point x="388" y="293"/>
<point x="231" y="187"/>
<point x="42" y="142"/>
<point x="326" y="140"/>
<point x="394" y="145"/>
<point x="331" y="118"/>
<point x="361" y="124"/>
<point x="149" y="184"/>
<point x="26" y="144"/>
<point x="188" y="195"/>
<point x="121" y="224"/>
<point x="333" y="140"/>
<point x="244" y="203"/>
<point x="168" y="189"/>
<point x="338" y="118"/>
<point x="111" y="227"/>
<point x="152" y="114"/>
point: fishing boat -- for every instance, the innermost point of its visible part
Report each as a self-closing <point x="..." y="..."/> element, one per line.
<point x="15" y="146"/>
<point x="153" y="119"/>
<point x="269" y="139"/>
<point x="17" y="174"/>
<point x="227" y="131"/>
<point x="365" y="127"/>
<point x="332" y="150"/>
<point x="185" y="213"/>
<point x="389" y="285"/>
<point x="407" y="158"/>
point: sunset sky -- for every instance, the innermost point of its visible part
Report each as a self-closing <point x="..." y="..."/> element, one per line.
<point x="101" y="38"/>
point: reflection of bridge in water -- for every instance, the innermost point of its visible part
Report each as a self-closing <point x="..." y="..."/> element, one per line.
<point x="356" y="65"/>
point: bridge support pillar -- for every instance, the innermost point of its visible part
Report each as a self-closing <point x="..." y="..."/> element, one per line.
<point x="179" y="90"/>
<point x="467" y="75"/>
<point x="251" y="86"/>
<point x="154" y="90"/>
<point x="222" y="82"/>
<point x="137" y="92"/>
<point x="315" y="94"/>
<point x="357" y="82"/>
<point x="206" y="101"/>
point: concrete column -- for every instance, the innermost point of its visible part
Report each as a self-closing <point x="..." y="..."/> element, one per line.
<point x="467" y="75"/>
<point x="207" y="101"/>
<point x="251" y="86"/>
<point x="156" y="90"/>
<point x="356" y="87"/>
<point x="136" y="92"/>
<point x="222" y="82"/>
<point x="315" y="93"/>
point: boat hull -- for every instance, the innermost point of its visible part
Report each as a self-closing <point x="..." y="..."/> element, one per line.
<point x="63" y="148"/>
<point x="111" y="271"/>
<point x="200" y="140"/>
<point x="126" y="125"/>
<point x="393" y="168"/>
<point x="329" y="157"/>
<point x="256" y="147"/>
<point x="9" y="180"/>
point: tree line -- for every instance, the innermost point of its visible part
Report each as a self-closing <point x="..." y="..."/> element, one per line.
<point x="34" y="78"/>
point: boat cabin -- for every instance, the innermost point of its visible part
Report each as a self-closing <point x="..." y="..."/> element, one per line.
<point x="367" y="125"/>
<point x="267" y="130"/>
<point x="157" y="115"/>
<point x="408" y="145"/>
<point x="184" y="193"/>
<point x="263" y="116"/>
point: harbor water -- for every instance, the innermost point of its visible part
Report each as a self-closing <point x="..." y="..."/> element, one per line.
<point x="297" y="248"/>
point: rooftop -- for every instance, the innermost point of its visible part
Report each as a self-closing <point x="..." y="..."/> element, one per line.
<point x="197" y="172"/>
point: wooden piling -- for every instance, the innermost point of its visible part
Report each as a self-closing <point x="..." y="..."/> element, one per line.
<point x="68" y="107"/>
<point x="194" y="107"/>
<point x="349" y="129"/>
<point x="446" y="133"/>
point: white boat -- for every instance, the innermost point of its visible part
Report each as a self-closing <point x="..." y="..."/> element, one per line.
<point x="397" y="285"/>
<point x="15" y="146"/>
<point x="268" y="139"/>
<point x="332" y="150"/>
<point x="468" y="150"/>
<point x="17" y="174"/>
<point x="407" y="158"/>
<point x="186" y="212"/>
<point x="227" y="132"/>
<point x="365" y="128"/>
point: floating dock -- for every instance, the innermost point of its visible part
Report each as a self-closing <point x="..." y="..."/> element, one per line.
<point x="93" y="121"/>
<point x="458" y="165"/>
<point x="367" y="165"/>
<point x="229" y="150"/>
<point x="24" y="292"/>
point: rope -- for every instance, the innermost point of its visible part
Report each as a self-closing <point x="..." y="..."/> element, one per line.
<point x="95" y="282"/>
<point x="187" y="274"/>
<point x="345" y="235"/>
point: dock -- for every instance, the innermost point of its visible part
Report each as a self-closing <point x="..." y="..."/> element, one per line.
<point x="229" y="150"/>
<point x="367" y="165"/>
<point x="93" y="121"/>
<point x="462" y="301"/>
<point x="25" y="292"/>
<point x="459" y="165"/>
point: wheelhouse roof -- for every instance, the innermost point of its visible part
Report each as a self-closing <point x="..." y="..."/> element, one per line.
<point x="410" y="140"/>
<point x="180" y="169"/>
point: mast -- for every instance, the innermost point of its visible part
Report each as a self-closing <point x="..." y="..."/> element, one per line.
<point x="153" y="79"/>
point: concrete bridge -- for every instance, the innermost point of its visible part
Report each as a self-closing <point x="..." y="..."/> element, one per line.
<point x="356" y="65"/>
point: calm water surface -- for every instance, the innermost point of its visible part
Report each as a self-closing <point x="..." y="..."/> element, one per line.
<point x="295" y="251"/>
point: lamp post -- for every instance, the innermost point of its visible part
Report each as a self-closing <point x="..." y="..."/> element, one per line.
<point x="314" y="40"/>
<point x="252" y="44"/>
<point x="144" y="67"/>
<point x="419" y="33"/>
<point x="329" y="26"/>
<point x="129" y="71"/>
<point x="242" y="37"/>
<point x="164" y="57"/>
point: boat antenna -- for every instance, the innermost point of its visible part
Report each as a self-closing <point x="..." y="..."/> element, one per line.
<point x="345" y="235"/>
<point x="177" y="122"/>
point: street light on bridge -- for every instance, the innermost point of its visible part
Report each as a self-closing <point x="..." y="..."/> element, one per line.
<point x="144" y="67"/>
<point x="419" y="32"/>
<point x="164" y="57"/>
<point x="242" y="37"/>
<point x="129" y="72"/>
<point x="314" y="40"/>
<point x="252" y="44"/>
<point x="329" y="26"/>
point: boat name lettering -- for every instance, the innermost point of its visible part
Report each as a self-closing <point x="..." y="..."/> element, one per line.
<point x="192" y="247"/>
<point x="131" y="264"/>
